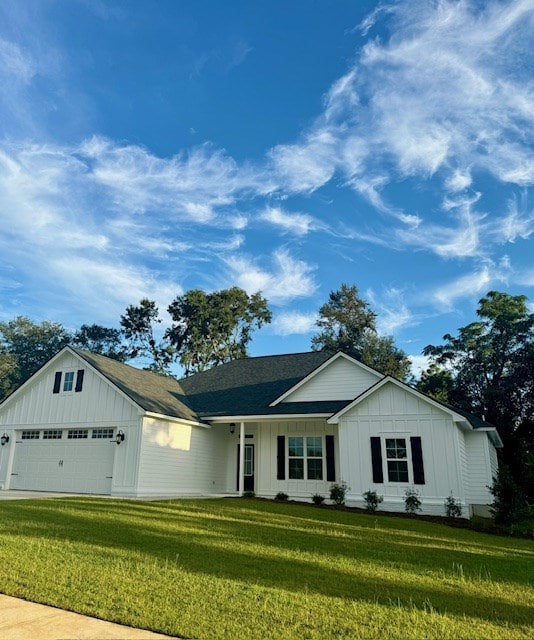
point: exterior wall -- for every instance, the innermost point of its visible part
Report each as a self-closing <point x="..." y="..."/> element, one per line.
<point x="482" y="469"/>
<point x="178" y="459"/>
<point x="266" y="468"/>
<point x="97" y="405"/>
<point x="395" y="413"/>
<point x="340" y="380"/>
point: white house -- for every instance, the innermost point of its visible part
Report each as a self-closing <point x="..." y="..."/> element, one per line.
<point x="87" y="424"/>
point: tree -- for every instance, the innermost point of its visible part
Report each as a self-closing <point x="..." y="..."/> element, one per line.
<point x="437" y="382"/>
<point x="26" y="346"/>
<point x="212" y="328"/>
<point x="348" y="324"/>
<point x="138" y="323"/>
<point x="491" y="362"/>
<point x="343" y="321"/>
<point x="98" y="339"/>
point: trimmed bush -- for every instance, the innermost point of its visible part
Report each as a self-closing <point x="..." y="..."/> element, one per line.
<point x="318" y="499"/>
<point x="412" y="501"/>
<point x="338" y="491"/>
<point x="453" y="509"/>
<point x="281" y="496"/>
<point x="372" y="500"/>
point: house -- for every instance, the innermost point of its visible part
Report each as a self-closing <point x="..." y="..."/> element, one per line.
<point x="87" y="424"/>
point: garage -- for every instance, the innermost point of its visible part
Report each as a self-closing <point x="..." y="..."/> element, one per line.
<point x="65" y="460"/>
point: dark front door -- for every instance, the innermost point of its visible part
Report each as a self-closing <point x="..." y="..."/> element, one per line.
<point x="248" y="466"/>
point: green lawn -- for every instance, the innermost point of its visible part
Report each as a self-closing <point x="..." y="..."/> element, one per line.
<point x="238" y="568"/>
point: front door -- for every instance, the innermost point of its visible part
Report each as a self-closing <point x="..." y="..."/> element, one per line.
<point x="248" y="467"/>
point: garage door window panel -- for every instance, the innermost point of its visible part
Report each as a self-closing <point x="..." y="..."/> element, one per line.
<point x="78" y="434"/>
<point x="52" y="434"/>
<point x="31" y="435"/>
<point x="102" y="434"/>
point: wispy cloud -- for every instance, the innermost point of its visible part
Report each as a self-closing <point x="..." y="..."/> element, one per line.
<point x="293" y="322"/>
<point x="287" y="279"/>
<point x="15" y="62"/>
<point x="299" y="224"/>
<point x="479" y="281"/>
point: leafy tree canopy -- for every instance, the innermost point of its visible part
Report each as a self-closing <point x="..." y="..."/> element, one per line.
<point x="98" y="339"/>
<point x="139" y="326"/>
<point x="489" y="367"/>
<point x="212" y="328"/>
<point x="492" y="360"/>
<point x="348" y="324"/>
<point x="25" y="346"/>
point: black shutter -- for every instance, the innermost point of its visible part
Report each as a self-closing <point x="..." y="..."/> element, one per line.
<point x="330" y="459"/>
<point x="281" y="458"/>
<point x="417" y="460"/>
<point x="57" y="382"/>
<point x="79" y="380"/>
<point x="376" y="459"/>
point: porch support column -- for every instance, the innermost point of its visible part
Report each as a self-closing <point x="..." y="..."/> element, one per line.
<point x="241" y="458"/>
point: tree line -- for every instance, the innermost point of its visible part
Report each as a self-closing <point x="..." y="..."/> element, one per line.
<point x="487" y="368"/>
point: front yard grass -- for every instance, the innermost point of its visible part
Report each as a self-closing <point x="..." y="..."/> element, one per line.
<point x="239" y="568"/>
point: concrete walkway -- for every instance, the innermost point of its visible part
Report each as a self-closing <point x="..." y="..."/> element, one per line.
<point x="21" y="620"/>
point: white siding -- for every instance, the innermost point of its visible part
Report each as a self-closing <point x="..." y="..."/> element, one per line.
<point x="392" y="412"/>
<point x="266" y="471"/>
<point x="181" y="459"/>
<point x="340" y="380"/>
<point x="97" y="405"/>
<point x="97" y="402"/>
<point x="480" y="468"/>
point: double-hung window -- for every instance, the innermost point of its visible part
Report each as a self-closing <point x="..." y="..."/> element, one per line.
<point x="397" y="460"/>
<point x="68" y="381"/>
<point x="305" y="457"/>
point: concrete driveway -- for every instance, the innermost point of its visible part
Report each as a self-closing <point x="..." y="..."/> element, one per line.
<point x="27" y="495"/>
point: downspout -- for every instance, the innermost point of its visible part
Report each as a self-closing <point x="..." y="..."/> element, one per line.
<point x="241" y="458"/>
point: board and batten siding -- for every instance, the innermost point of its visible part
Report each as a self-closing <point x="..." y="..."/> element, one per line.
<point x="266" y="469"/>
<point x="98" y="402"/>
<point x="180" y="459"/>
<point x="478" y="447"/>
<point x="392" y="412"/>
<point x="340" y="380"/>
<point x="97" y="405"/>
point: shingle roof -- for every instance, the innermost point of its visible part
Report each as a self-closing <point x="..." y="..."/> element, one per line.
<point x="239" y="388"/>
<point x="151" y="391"/>
<point x="247" y="386"/>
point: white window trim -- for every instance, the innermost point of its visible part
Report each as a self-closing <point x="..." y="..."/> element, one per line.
<point x="408" y="459"/>
<point x="305" y="458"/>
<point x="62" y="391"/>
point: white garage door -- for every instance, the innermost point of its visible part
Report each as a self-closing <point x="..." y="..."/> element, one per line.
<point x="69" y="460"/>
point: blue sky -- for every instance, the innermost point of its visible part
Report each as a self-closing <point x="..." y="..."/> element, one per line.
<point x="147" y="148"/>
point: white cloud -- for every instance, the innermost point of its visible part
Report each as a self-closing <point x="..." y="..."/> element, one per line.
<point x="306" y="166"/>
<point x="106" y="288"/>
<point x="391" y="309"/>
<point x="458" y="180"/>
<point x="472" y="284"/>
<point x="298" y="223"/>
<point x="293" y="322"/>
<point x="16" y="62"/>
<point x="287" y="279"/>
<point x="419" y="364"/>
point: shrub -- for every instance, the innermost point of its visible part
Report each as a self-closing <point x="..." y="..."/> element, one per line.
<point x="338" y="491"/>
<point x="509" y="503"/>
<point x="318" y="498"/>
<point x="412" y="501"/>
<point x="281" y="496"/>
<point x="372" y="500"/>
<point x="453" y="509"/>
<point x="249" y="494"/>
